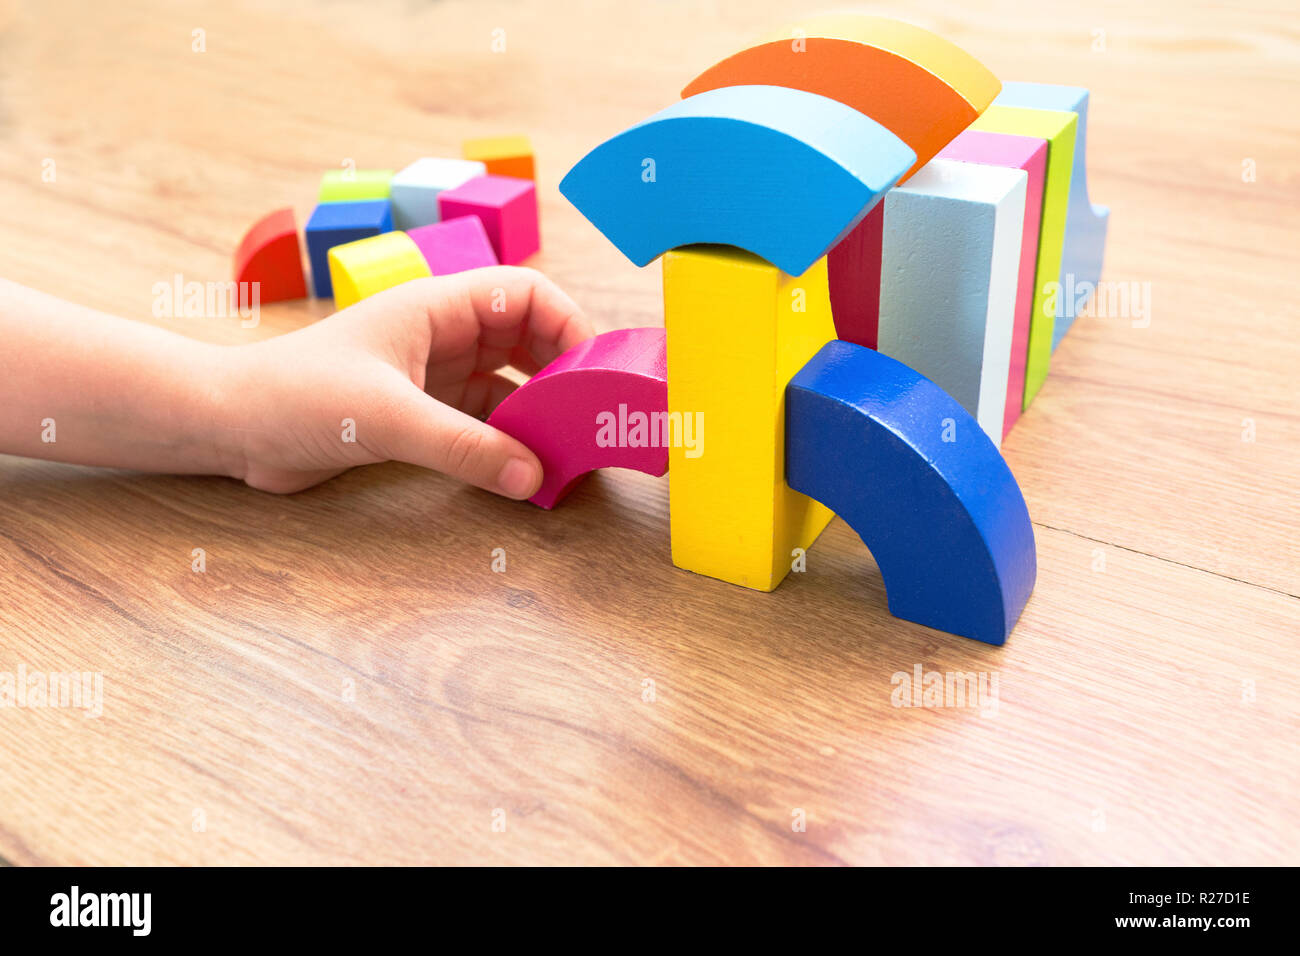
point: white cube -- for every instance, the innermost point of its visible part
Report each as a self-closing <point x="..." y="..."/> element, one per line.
<point x="415" y="189"/>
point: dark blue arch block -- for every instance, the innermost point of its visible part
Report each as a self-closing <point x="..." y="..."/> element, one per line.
<point x="945" y="520"/>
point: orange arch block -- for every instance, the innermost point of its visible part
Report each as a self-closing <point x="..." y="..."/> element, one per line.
<point x="919" y="86"/>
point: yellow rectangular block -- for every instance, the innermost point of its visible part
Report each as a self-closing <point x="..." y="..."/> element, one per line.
<point x="738" y="330"/>
<point x="362" y="268"/>
<point x="502" y="155"/>
<point x="1058" y="128"/>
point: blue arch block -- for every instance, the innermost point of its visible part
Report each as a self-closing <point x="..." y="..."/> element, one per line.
<point x="778" y="172"/>
<point x="945" y="520"/>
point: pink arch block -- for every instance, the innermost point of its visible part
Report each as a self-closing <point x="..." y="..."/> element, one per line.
<point x="564" y="413"/>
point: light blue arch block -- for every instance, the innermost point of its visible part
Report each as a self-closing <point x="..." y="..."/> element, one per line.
<point x="1085" y="223"/>
<point x="778" y="172"/>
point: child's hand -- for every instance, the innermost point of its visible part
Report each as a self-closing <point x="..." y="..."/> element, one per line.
<point x="403" y="375"/>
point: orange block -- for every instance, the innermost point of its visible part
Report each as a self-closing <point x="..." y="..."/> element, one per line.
<point x="919" y="86"/>
<point x="503" y="155"/>
<point x="922" y="88"/>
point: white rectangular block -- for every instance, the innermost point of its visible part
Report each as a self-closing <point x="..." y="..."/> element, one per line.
<point x="415" y="189"/>
<point x="949" y="268"/>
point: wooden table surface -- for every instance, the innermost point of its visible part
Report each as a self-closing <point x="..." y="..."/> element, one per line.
<point x="349" y="681"/>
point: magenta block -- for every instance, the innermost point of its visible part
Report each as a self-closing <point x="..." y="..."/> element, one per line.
<point x="507" y="208"/>
<point x="1029" y="154"/>
<point x="619" y="379"/>
<point x="454" y="245"/>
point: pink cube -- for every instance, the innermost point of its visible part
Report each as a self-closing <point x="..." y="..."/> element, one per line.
<point x="507" y="208"/>
<point x="454" y="245"/>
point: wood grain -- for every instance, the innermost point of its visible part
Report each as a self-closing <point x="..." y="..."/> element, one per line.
<point x="349" y="681"/>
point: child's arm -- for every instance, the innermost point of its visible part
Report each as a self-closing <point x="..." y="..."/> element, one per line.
<point x="409" y="369"/>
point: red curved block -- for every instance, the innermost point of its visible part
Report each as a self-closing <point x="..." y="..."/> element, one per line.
<point x="602" y="404"/>
<point x="916" y="84"/>
<point x="854" y="276"/>
<point x="270" y="255"/>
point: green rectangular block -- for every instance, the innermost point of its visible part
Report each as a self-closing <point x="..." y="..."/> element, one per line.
<point x="354" y="185"/>
<point x="1058" y="128"/>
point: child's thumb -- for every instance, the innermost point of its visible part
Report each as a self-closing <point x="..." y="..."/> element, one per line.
<point x="423" y="431"/>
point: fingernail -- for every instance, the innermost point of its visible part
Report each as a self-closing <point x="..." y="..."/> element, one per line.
<point x="518" y="479"/>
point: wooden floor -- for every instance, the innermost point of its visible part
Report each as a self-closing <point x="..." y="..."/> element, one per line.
<point x="350" y="682"/>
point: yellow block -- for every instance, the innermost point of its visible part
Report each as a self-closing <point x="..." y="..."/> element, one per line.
<point x="502" y="155"/>
<point x="353" y="185"/>
<point x="738" y="330"/>
<point x="362" y="268"/>
<point x="1058" y="128"/>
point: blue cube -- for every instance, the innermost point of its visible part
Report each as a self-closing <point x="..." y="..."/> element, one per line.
<point x="334" y="223"/>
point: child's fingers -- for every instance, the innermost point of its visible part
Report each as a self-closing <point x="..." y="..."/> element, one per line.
<point x="482" y="394"/>
<point x="501" y="307"/>
<point x="525" y="362"/>
<point x="522" y="307"/>
<point x="418" y="429"/>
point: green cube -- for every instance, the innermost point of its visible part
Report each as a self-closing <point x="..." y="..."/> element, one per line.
<point x="354" y="185"/>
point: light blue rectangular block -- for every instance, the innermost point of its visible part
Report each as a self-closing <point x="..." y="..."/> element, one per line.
<point x="948" y="276"/>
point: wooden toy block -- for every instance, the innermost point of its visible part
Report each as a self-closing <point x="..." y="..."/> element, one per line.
<point x="270" y="255"/>
<point x="360" y="269"/>
<point x="737" y="330"/>
<point x="919" y="86"/>
<point x="1029" y="154"/>
<point x="1058" y="128"/>
<point x="503" y="155"/>
<point x="455" y="245"/>
<point x="416" y="188"/>
<point x="353" y="185"/>
<point x="508" y="209"/>
<point x="944" y="519"/>
<point x="779" y="172"/>
<point x="949" y="272"/>
<point x="853" y="271"/>
<point x="602" y="404"/>
<point x="334" y="223"/>
<point x="1085" y="223"/>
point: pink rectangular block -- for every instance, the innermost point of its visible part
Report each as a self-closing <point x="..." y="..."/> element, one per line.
<point x="1030" y="154"/>
<point x="454" y="245"/>
<point x="507" y="208"/>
